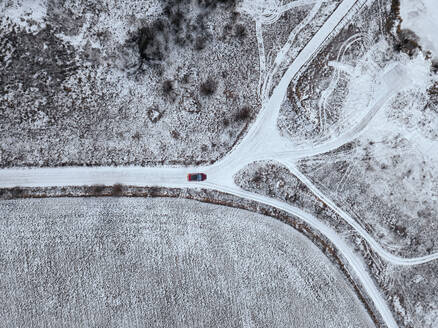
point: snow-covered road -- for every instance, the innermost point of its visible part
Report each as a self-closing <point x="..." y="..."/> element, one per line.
<point x="263" y="141"/>
<point x="391" y="258"/>
<point x="354" y="262"/>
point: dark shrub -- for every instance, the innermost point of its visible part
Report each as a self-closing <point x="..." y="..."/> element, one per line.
<point x="167" y="11"/>
<point x="186" y="78"/>
<point x="154" y="114"/>
<point x="154" y="191"/>
<point x="393" y="16"/>
<point x="136" y="136"/>
<point x="176" y="20"/>
<point x="17" y="192"/>
<point x="409" y="41"/>
<point x="435" y="66"/>
<point x="228" y="28"/>
<point x="240" y="31"/>
<point x="213" y="3"/>
<point x="200" y="43"/>
<point x="175" y="134"/>
<point x="180" y="41"/>
<point x="207" y="3"/>
<point x="149" y="45"/>
<point x="97" y="189"/>
<point x="159" y="25"/>
<point x="243" y="114"/>
<point x="117" y="190"/>
<point x="167" y="87"/>
<point x="208" y="87"/>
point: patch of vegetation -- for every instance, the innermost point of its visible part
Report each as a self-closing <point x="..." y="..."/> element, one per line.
<point x="257" y="178"/>
<point x="435" y="66"/>
<point x="29" y="55"/>
<point x="243" y="114"/>
<point x="405" y="40"/>
<point x="394" y="16"/>
<point x="200" y="43"/>
<point x="240" y="31"/>
<point x="97" y="189"/>
<point x="214" y="3"/>
<point x="208" y="87"/>
<point x="167" y="87"/>
<point x="117" y="190"/>
<point x="152" y="43"/>
<point x="80" y="110"/>
<point x="17" y="192"/>
<point x="178" y="26"/>
<point x="408" y="42"/>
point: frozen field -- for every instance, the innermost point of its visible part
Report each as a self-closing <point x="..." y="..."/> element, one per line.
<point x="409" y="290"/>
<point x="131" y="262"/>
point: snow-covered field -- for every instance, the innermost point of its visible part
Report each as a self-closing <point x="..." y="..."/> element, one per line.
<point x="136" y="262"/>
<point x="410" y="290"/>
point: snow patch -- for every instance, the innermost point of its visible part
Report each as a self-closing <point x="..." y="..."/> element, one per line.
<point x="418" y="71"/>
<point x="260" y="9"/>
<point x="418" y="79"/>
<point x="25" y="12"/>
<point x="421" y="17"/>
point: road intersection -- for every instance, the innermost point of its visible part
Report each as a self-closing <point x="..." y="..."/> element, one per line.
<point x="262" y="142"/>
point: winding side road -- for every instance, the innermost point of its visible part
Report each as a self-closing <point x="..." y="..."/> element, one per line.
<point x="391" y="258"/>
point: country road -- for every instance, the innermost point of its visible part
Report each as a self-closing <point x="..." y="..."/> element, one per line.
<point x="262" y="142"/>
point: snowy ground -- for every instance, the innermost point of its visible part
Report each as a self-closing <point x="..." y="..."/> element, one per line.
<point x="388" y="175"/>
<point x="357" y="129"/>
<point x="176" y="263"/>
<point x="421" y="17"/>
<point x="323" y="101"/>
<point x="406" y="287"/>
<point x="118" y="83"/>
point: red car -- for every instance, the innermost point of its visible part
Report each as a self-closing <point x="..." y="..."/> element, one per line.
<point x="196" y="176"/>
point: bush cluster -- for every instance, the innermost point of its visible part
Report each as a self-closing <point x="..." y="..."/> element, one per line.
<point x="181" y="24"/>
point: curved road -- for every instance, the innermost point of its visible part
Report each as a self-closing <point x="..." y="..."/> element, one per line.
<point x="391" y="258"/>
